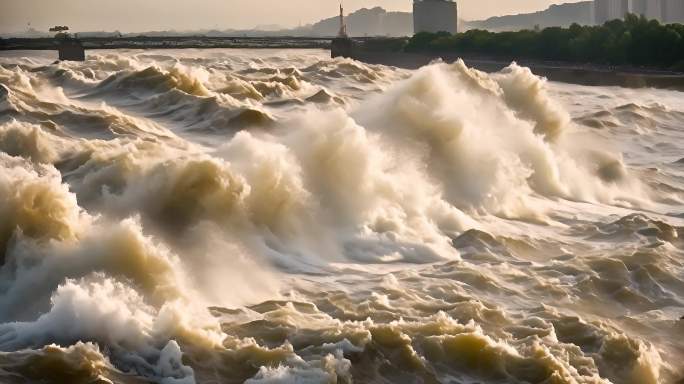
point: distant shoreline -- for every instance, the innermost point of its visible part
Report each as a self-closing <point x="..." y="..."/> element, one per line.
<point x="573" y="73"/>
<point x="581" y="74"/>
<point x="172" y="42"/>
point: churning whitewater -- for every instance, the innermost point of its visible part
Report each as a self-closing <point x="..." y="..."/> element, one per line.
<point x="260" y="216"/>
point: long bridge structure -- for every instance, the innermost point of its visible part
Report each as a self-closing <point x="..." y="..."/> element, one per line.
<point x="172" y="42"/>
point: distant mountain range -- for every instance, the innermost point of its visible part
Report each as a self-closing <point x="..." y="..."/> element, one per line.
<point x="368" y="22"/>
<point x="379" y="22"/>
<point x="364" y="22"/>
<point x="562" y="15"/>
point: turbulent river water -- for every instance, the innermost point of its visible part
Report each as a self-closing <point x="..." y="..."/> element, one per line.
<point x="263" y="216"/>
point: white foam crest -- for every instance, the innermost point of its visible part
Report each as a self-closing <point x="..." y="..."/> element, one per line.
<point x="329" y="369"/>
<point x="105" y="311"/>
<point x="493" y="142"/>
<point x="138" y="297"/>
<point x="316" y="191"/>
<point x="34" y="203"/>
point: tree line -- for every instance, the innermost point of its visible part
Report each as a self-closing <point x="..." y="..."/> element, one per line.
<point x="634" y="41"/>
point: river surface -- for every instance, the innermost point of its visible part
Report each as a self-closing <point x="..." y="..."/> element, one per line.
<point x="275" y="216"/>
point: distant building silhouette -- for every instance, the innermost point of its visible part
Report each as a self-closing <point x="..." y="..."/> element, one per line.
<point x="666" y="11"/>
<point x="673" y="11"/>
<point x="606" y="10"/>
<point x="651" y="9"/>
<point x="435" y="16"/>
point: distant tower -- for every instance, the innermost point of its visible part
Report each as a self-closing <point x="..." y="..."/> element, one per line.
<point x="343" y="26"/>
<point x="342" y="45"/>
<point x="435" y="16"/>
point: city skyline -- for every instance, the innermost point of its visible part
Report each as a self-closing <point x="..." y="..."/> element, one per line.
<point x="135" y="16"/>
<point x="667" y="11"/>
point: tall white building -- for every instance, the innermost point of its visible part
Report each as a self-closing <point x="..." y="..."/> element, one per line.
<point x="435" y="16"/>
<point x="651" y="9"/>
<point x="665" y="11"/>
<point x="606" y="10"/>
<point x="673" y="11"/>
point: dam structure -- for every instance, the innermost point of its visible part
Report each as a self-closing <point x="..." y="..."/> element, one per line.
<point x="435" y="16"/>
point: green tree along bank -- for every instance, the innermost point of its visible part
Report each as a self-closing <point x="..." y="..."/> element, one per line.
<point x="633" y="41"/>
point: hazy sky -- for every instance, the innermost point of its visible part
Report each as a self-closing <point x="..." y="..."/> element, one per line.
<point x="145" y="15"/>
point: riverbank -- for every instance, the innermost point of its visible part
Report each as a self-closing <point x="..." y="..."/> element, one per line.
<point x="596" y="75"/>
<point x="634" y="52"/>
